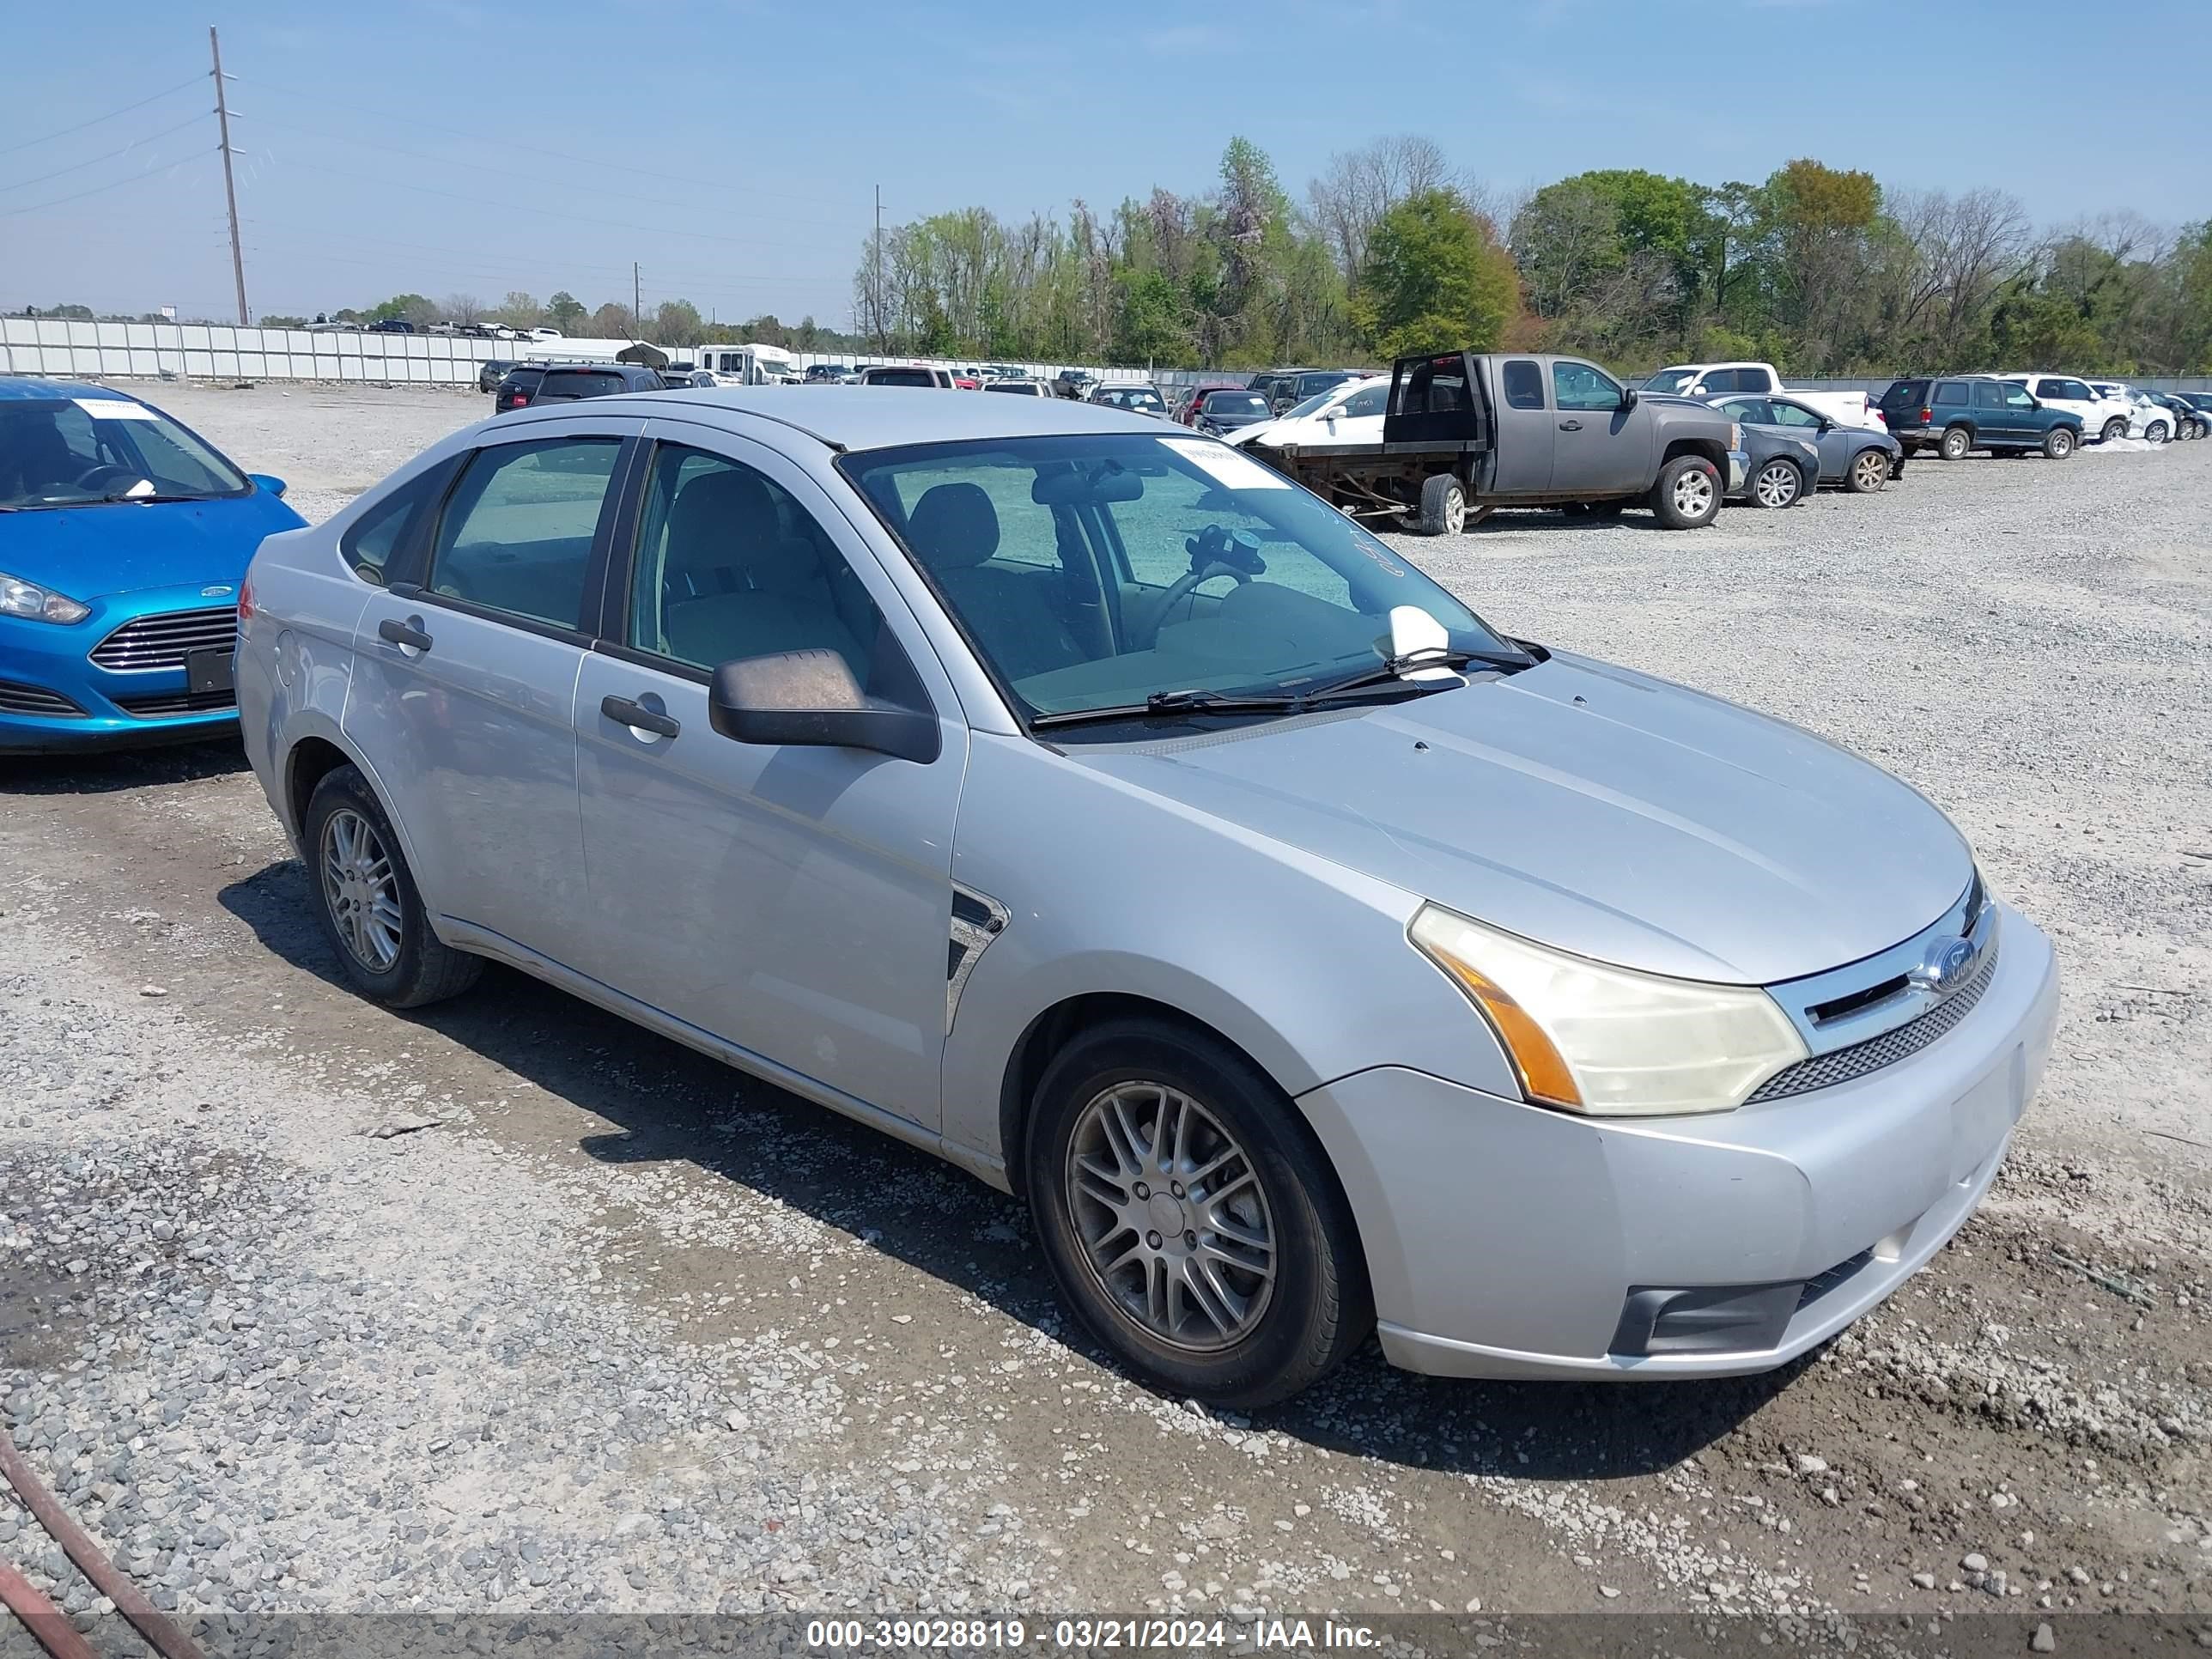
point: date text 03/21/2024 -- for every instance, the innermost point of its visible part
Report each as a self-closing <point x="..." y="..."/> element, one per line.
<point x="1157" y="1635"/>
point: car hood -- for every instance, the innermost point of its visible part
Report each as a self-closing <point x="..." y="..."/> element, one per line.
<point x="1612" y="815"/>
<point x="119" y="548"/>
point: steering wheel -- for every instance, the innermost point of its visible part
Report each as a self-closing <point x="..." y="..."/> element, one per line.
<point x="103" y="472"/>
<point x="1213" y="552"/>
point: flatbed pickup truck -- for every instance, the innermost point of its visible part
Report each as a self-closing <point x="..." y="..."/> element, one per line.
<point x="1467" y="433"/>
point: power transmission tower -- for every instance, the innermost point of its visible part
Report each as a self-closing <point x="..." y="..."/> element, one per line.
<point x="229" y="186"/>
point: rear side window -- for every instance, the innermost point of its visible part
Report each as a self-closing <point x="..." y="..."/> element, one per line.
<point x="1753" y="380"/>
<point x="1989" y="396"/>
<point x="1524" y="384"/>
<point x="517" y="535"/>
<point x="379" y="534"/>
<point x="1951" y="391"/>
<point x="1717" y="382"/>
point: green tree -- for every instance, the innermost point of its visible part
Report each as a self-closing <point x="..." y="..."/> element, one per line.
<point x="612" y="321"/>
<point x="677" y="322"/>
<point x="1433" y="279"/>
<point x="565" y="312"/>
<point x="410" y="307"/>
<point x="520" y="310"/>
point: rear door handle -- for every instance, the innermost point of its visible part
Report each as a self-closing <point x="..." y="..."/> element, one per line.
<point x="409" y="633"/>
<point x="1570" y="426"/>
<point x="628" y="711"/>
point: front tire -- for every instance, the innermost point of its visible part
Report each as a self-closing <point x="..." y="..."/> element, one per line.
<point x="1956" y="442"/>
<point x="2058" y="444"/>
<point x="1778" y="484"/>
<point x="1870" y="471"/>
<point x="1443" y="506"/>
<point x="1687" y="495"/>
<point x="2115" y="428"/>
<point x="367" y="902"/>
<point x="2156" y="433"/>
<point x="1188" y="1217"/>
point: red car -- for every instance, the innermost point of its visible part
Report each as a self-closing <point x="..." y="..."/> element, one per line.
<point x="1187" y="411"/>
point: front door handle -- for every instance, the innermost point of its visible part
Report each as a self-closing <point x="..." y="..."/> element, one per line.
<point x="408" y="633"/>
<point x="628" y="711"/>
<point x="1570" y="426"/>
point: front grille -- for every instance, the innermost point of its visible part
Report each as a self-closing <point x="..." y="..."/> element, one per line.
<point x="19" y="699"/>
<point x="160" y="705"/>
<point x="1824" y="1070"/>
<point x="1822" y="1284"/>
<point x="161" y="641"/>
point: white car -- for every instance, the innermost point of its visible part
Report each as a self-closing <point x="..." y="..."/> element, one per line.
<point x="1344" y="415"/>
<point x="2152" y="423"/>
<point x="2102" y="417"/>
<point x="1705" y="381"/>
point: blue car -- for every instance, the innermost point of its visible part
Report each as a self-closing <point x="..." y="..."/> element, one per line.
<point x="124" y="539"/>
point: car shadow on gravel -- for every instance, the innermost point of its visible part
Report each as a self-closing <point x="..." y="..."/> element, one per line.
<point x="674" y="1105"/>
<point x="103" y="771"/>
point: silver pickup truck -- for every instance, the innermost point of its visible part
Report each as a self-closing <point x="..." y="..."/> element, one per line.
<point x="1470" y="432"/>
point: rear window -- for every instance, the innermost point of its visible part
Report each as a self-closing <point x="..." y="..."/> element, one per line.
<point x="560" y="383"/>
<point x="1903" y="393"/>
<point x="1218" y="402"/>
<point x="1951" y="391"/>
<point x="1309" y="383"/>
<point x="900" y="377"/>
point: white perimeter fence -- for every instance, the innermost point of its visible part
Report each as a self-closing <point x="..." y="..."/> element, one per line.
<point x="203" y="351"/>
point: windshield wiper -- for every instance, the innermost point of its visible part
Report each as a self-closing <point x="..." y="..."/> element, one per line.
<point x="124" y="496"/>
<point x="1199" y="701"/>
<point x="1393" y="668"/>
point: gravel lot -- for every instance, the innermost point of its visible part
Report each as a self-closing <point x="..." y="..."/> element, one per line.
<point x="512" y="1307"/>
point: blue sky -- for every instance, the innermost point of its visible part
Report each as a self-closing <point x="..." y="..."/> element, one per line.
<point x="733" y="145"/>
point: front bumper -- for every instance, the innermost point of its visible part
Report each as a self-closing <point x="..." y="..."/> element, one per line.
<point x="1739" y="468"/>
<point x="1505" y="1240"/>
<point x="54" y="699"/>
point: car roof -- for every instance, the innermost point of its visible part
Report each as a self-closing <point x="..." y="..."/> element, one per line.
<point x="26" y="390"/>
<point x="878" y="418"/>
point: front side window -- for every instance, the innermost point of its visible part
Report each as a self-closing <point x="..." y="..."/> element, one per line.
<point x="74" y="451"/>
<point x="2074" y="391"/>
<point x="517" y="535"/>
<point x="1372" y="400"/>
<point x="1174" y="563"/>
<point x="1753" y="411"/>
<point x="728" y="565"/>
<point x="1578" y="386"/>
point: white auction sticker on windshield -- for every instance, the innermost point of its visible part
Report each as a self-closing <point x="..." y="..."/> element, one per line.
<point x="114" y="409"/>
<point x="1226" y="466"/>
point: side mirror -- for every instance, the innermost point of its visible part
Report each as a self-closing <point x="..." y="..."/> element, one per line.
<point x="274" y="486"/>
<point x="809" y="699"/>
<point x="1628" y="398"/>
<point x="1826" y="425"/>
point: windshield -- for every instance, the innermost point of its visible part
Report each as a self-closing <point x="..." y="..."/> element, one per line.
<point x="1093" y="571"/>
<point x="1311" y="406"/>
<point x="66" y="452"/>
<point x="1672" y="380"/>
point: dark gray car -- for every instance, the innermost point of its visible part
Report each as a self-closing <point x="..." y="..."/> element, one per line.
<point x="1856" y="458"/>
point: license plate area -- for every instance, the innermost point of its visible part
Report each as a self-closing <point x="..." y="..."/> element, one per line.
<point x="209" y="671"/>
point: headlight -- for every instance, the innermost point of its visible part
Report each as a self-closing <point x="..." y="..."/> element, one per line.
<point x="23" y="598"/>
<point x="1611" y="1042"/>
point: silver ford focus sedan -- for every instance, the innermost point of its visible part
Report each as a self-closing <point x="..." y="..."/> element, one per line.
<point x="1081" y="800"/>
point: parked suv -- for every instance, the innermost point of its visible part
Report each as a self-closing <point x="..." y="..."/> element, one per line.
<point x="910" y="374"/>
<point x="1285" y="387"/>
<point x="1959" y="413"/>
<point x="564" y="383"/>
<point x="2102" y="419"/>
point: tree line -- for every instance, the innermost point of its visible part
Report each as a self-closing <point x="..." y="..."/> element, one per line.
<point x="1393" y="251"/>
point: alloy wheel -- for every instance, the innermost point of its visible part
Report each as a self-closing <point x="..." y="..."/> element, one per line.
<point x="361" y="889"/>
<point x="1777" y="484"/>
<point x="1170" y="1217"/>
<point x="1873" y="469"/>
<point x="1693" y="492"/>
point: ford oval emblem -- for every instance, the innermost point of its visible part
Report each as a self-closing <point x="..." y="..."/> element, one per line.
<point x="1945" y="964"/>
<point x="219" y="591"/>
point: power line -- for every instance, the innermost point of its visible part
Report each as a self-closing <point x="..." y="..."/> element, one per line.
<point x="535" y="149"/>
<point x="48" y="137"/>
<point x="538" y="179"/>
<point x="78" y="166"/>
<point x="98" y="190"/>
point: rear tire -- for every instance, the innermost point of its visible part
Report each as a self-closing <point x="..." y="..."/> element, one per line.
<point x="367" y="902"/>
<point x="1956" y="442"/>
<point x="1096" y="1136"/>
<point x="1778" y="484"/>
<point x="2156" y="433"/>
<point x="1687" y="494"/>
<point x="1870" y="471"/>
<point x="2058" y="444"/>
<point x="1443" y="506"/>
